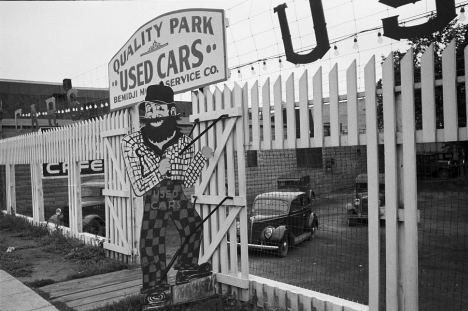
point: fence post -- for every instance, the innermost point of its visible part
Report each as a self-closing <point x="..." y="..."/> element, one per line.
<point x="137" y="202"/>
<point x="37" y="192"/>
<point x="373" y="185"/>
<point x="392" y="154"/>
<point x="410" y="258"/>
<point x="10" y="188"/>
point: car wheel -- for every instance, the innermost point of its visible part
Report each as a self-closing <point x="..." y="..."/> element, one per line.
<point x="94" y="227"/>
<point x="313" y="230"/>
<point x="283" y="247"/>
<point x="443" y="173"/>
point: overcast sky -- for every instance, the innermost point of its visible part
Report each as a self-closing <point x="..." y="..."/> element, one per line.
<point x="52" y="40"/>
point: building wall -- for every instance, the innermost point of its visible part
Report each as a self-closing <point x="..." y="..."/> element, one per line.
<point x="349" y="161"/>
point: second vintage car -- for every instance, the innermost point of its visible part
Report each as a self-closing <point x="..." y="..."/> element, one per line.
<point x="92" y="209"/>
<point x="279" y="220"/>
<point x="358" y="210"/>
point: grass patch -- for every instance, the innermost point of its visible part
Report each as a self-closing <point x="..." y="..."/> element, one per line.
<point x="91" y="259"/>
<point x="227" y="303"/>
<point x="13" y="263"/>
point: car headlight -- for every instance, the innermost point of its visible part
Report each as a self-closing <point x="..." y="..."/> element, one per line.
<point x="268" y="232"/>
<point x="357" y="201"/>
<point x="58" y="211"/>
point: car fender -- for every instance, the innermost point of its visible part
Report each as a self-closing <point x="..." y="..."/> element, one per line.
<point x="350" y="207"/>
<point x="88" y="218"/>
<point x="278" y="233"/>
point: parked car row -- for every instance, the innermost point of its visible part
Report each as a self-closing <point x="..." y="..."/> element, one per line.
<point x="436" y="164"/>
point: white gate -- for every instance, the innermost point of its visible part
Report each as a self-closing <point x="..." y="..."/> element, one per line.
<point x="120" y="216"/>
<point x="224" y="175"/>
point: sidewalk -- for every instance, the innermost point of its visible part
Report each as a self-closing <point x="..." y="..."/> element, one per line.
<point x="15" y="296"/>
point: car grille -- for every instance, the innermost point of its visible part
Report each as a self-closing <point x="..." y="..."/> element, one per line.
<point x="364" y="206"/>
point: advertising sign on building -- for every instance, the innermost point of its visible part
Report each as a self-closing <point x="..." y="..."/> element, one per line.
<point x="184" y="50"/>
<point x="92" y="167"/>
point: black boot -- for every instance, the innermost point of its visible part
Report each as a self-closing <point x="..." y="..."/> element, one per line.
<point x="184" y="276"/>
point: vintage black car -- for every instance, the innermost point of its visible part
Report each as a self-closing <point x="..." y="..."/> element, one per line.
<point x="92" y="208"/>
<point x="279" y="220"/>
<point x="358" y="210"/>
<point x="436" y="164"/>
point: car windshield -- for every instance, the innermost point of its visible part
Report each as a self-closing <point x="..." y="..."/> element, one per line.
<point x="269" y="207"/>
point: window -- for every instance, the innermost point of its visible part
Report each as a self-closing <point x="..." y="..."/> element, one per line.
<point x="309" y="157"/>
<point x="252" y="160"/>
<point x="296" y="205"/>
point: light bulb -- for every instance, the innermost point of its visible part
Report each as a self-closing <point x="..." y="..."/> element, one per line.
<point x="82" y="108"/>
<point x="95" y="106"/>
<point x="239" y="75"/>
<point x="106" y="104"/>
<point x="380" y="39"/>
<point x="336" y="51"/>
<point x="253" y="71"/>
<point x="355" y="45"/>
<point x="280" y="63"/>
<point x="462" y="14"/>
<point x="264" y="65"/>
<point x="102" y="105"/>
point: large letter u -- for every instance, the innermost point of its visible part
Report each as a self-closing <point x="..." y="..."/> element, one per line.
<point x="321" y="34"/>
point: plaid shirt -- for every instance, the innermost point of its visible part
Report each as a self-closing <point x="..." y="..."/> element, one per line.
<point x="142" y="162"/>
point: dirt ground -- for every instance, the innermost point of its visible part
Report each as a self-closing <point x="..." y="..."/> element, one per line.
<point x="45" y="265"/>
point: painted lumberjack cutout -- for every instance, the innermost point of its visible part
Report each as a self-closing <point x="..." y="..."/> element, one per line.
<point x="159" y="171"/>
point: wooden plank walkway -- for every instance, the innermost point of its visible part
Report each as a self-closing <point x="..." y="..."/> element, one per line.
<point x="99" y="290"/>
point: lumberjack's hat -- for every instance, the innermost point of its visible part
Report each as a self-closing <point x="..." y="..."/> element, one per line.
<point x="158" y="94"/>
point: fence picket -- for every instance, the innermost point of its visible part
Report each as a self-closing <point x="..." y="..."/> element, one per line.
<point x="410" y="274"/>
<point x="465" y="53"/>
<point x="334" y="111"/>
<point x="351" y="88"/>
<point x="428" y="95"/>
<point x="255" y="117"/>
<point x="449" y="74"/>
<point x="245" y="108"/>
<point x="304" y="120"/>
<point x="223" y="255"/>
<point x="278" y="106"/>
<point x="391" y="186"/>
<point x="372" y="134"/>
<point x="318" y="106"/>
<point x="266" y="115"/>
<point x="290" y="113"/>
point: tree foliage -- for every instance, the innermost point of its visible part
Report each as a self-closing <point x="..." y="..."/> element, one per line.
<point x="440" y="40"/>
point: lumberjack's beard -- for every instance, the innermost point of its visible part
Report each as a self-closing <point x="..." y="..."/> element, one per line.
<point x="161" y="133"/>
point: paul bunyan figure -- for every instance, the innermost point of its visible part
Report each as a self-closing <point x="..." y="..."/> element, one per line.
<point x="159" y="171"/>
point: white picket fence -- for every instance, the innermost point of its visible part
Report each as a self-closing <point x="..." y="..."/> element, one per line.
<point x="399" y="138"/>
<point x="82" y="141"/>
<point x="100" y="139"/>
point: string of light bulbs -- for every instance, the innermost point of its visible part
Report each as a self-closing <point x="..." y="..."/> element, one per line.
<point x="461" y="17"/>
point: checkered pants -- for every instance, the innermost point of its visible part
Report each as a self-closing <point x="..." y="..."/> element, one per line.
<point x="164" y="200"/>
